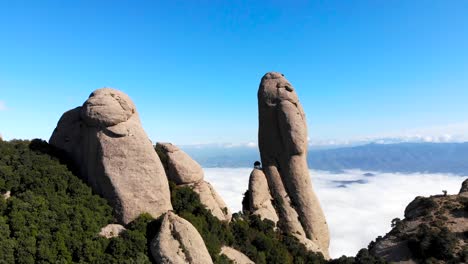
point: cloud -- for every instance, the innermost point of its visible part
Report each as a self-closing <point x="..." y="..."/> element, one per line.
<point x="356" y="214"/>
<point x="3" y="106"/>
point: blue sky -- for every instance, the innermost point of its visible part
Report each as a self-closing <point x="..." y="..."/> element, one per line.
<point x="361" y="68"/>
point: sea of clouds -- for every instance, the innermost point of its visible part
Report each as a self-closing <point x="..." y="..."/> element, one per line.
<point x="359" y="205"/>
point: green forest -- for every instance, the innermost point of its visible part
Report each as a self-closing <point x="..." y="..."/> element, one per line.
<point x="52" y="216"/>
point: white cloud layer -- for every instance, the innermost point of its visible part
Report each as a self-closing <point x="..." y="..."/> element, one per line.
<point x="457" y="132"/>
<point x="356" y="214"/>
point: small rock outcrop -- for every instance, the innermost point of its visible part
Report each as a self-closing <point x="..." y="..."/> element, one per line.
<point x="235" y="255"/>
<point x="434" y="228"/>
<point x="260" y="197"/>
<point x="283" y="145"/>
<point x="105" y="139"/>
<point x="464" y="188"/>
<point x="111" y="230"/>
<point x="183" y="170"/>
<point x="6" y="195"/>
<point x="178" y="242"/>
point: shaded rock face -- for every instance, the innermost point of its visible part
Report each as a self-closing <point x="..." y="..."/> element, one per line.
<point x="105" y="139"/>
<point x="111" y="230"/>
<point x="283" y="148"/>
<point x="260" y="198"/>
<point x="179" y="242"/>
<point x="183" y="170"/>
<point x="464" y="188"/>
<point x="235" y="255"/>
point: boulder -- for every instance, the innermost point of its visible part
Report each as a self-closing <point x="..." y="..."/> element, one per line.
<point x="106" y="141"/>
<point x="211" y="200"/>
<point x="183" y="170"/>
<point x="235" y="255"/>
<point x="179" y="242"/>
<point x="260" y="198"/>
<point x="283" y="141"/>
<point x="6" y="195"/>
<point x="180" y="167"/>
<point x="111" y="230"/>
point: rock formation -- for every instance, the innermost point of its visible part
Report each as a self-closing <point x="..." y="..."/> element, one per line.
<point x="6" y="195"/>
<point x="464" y="188"/>
<point x="283" y="148"/>
<point x="178" y="242"/>
<point x="111" y="230"/>
<point x="183" y="170"/>
<point x="433" y="228"/>
<point x="105" y="139"/>
<point x="259" y="197"/>
<point x="235" y="255"/>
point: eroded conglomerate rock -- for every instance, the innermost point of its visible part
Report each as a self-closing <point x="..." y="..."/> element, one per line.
<point x="111" y="230"/>
<point x="183" y="170"/>
<point x="283" y="149"/>
<point x="235" y="255"/>
<point x="260" y="197"/>
<point x="105" y="139"/>
<point x="179" y="242"/>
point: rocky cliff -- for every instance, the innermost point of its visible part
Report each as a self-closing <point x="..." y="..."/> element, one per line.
<point x="105" y="139"/>
<point x="434" y="230"/>
<point x="283" y="144"/>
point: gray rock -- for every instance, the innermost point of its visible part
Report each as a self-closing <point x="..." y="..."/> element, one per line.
<point x="183" y="170"/>
<point x="6" y="195"/>
<point x="235" y="255"/>
<point x="260" y="198"/>
<point x="212" y="200"/>
<point x="105" y="139"/>
<point x="180" y="167"/>
<point x="178" y="242"/>
<point x="464" y="188"/>
<point x="111" y="230"/>
<point x="283" y="148"/>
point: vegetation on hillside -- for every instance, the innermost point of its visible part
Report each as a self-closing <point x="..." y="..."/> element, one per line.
<point x="53" y="217"/>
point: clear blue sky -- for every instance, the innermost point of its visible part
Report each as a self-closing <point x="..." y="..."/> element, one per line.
<point x="193" y="67"/>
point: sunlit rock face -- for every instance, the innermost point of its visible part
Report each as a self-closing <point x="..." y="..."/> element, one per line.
<point x="178" y="242"/>
<point x="183" y="170"/>
<point x="106" y="140"/>
<point x="260" y="200"/>
<point x="283" y="147"/>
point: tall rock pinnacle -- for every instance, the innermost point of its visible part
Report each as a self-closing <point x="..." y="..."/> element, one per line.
<point x="283" y="143"/>
<point x="104" y="137"/>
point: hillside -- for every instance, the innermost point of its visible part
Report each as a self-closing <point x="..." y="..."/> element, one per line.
<point x="52" y="216"/>
<point x="434" y="230"/>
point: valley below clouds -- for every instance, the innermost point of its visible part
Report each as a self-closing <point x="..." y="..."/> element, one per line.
<point x="359" y="205"/>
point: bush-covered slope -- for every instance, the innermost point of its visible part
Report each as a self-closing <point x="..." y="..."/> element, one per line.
<point x="53" y="217"/>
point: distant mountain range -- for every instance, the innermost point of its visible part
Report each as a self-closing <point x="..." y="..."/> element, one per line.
<point x="402" y="157"/>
